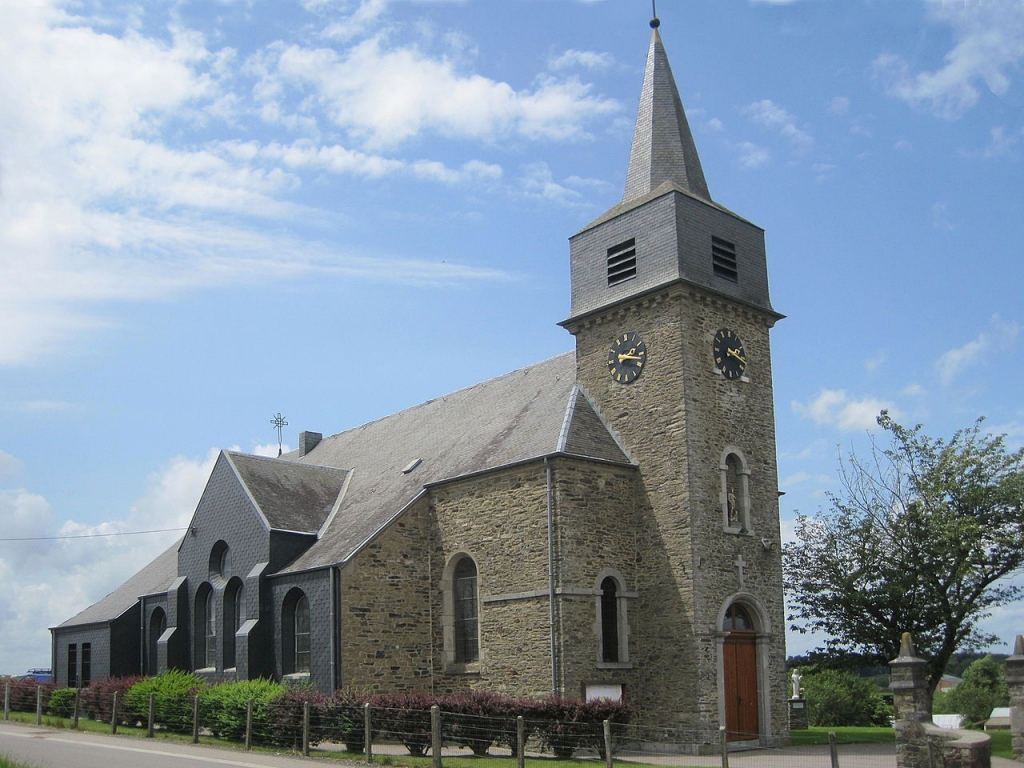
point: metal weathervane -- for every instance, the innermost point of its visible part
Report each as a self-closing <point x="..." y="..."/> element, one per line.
<point x="279" y="422"/>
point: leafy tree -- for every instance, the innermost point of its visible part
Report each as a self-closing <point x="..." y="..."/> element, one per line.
<point x="838" y="698"/>
<point x="983" y="687"/>
<point x="920" y="540"/>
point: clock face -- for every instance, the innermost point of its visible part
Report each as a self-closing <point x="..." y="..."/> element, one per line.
<point x="627" y="357"/>
<point x="730" y="358"/>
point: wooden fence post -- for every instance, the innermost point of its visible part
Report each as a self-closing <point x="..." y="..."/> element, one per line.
<point x="435" y="736"/>
<point x="367" y="732"/>
<point x="74" y="712"/>
<point x="305" y="729"/>
<point x="152" y="715"/>
<point x="248" y="724"/>
<point x="724" y="740"/>
<point x="833" y="749"/>
<point x="195" y="719"/>
<point x="113" y="716"/>
<point x="608" y="743"/>
<point x="39" y="705"/>
<point x="7" y="701"/>
<point x="520" y="742"/>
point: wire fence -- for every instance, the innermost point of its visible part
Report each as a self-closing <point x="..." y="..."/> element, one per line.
<point x="383" y="734"/>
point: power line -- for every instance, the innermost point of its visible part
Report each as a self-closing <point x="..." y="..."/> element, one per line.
<point x="88" y="535"/>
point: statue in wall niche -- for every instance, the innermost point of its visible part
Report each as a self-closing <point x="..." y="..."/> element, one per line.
<point x="730" y="500"/>
<point x="796" y="683"/>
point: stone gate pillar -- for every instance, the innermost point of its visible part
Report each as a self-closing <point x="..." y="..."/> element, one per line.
<point x="1015" y="686"/>
<point x="908" y="676"/>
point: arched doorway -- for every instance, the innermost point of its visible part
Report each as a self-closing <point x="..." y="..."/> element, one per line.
<point x="739" y="666"/>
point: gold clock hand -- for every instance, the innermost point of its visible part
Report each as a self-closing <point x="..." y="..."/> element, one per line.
<point x="733" y="353"/>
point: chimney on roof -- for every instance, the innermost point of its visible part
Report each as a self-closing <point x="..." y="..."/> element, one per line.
<point x="308" y="441"/>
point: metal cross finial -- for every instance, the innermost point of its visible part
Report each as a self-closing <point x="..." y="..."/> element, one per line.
<point x="279" y="422"/>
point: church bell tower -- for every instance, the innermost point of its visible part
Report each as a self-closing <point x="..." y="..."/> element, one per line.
<point x="671" y="315"/>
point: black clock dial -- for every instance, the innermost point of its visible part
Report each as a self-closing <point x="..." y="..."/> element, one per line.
<point x="730" y="357"/>
<point x="627" y="357"/>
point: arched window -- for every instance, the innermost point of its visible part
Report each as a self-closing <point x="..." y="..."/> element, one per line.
<point x="295" y="633"/>
<point x="157" y="626"/>
<point x="205" y="622"/>
<point x="737" y="619"/>
<point x="612" y="626"/>
<point x="466" y="619"/>
<point x="220" y="560"/>
<point x="234" y="615"/>
<point x="735" y="491"/>
<point x="609" y="620"/>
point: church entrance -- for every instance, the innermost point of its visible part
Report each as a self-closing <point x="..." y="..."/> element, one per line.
<point x="739" y="652"/>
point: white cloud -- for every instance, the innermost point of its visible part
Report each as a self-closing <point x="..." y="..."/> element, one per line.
<point x="989" y="45"/>
<point x="573" y="59"/>
<point x="537" y="181"/>
<point x="103" y="200"/>
<point x="1001" y="335"/>
<point x="834" y="407"/>
<point x="840" y="105"/>
<point x="49" y="581"/>
<point x="10" y="466"/>
<point x="383" y="97"/>
<point x="751" y="155"/>
<point x="767" y="114"/>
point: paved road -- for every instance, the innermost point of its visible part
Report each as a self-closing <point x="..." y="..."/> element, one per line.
<point x="51" y="748"/>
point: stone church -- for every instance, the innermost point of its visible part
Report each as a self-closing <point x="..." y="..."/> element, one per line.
<point x="601" y="523"/>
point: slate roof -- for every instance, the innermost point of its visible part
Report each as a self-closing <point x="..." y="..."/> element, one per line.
<point x="153" y="578"/>
<point x="663" y="147"/>
<point x="290" y="496"/>
<point x="527" y="414"/>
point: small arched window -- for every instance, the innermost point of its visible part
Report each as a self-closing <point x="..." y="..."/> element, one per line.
<point x="220" y="560"/>
<point x="295" y="633"/>
<point x="737" y="619"/>
<point x="466" y="620"/>
<point x="609" y="620"/>
<point x="234" y="615"/>
<point x="157" y="626"/>
<point x="205" y="628"/>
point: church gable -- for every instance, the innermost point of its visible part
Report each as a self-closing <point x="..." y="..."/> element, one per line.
<point x="586" y="434"/>
<point x="290" y="496"/>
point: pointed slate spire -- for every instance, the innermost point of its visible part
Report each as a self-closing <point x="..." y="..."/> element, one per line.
<point x="663" y="148"/>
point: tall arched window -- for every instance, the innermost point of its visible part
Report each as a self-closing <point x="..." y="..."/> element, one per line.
<point x="234" y="612"/>
<point x="466" y="620"/>
<point x="220" y="560"/>
<point x="295" y="632"/>
<point x="205" y="623"/>
<point x="157" y="626"/>
<point x="609" y="620"/>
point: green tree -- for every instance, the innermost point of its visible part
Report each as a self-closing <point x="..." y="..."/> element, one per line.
<point x="840" y="698"/>
<point x="983" y="687"/>
<point x="920" y="540"/>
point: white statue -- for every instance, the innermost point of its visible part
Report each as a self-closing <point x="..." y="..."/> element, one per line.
<point x="796" y="683"/>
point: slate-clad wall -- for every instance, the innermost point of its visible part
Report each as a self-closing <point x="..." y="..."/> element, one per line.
<point x="96" y="634"/>
<point x="316" y="585"/>
<point x="224" y="513"/>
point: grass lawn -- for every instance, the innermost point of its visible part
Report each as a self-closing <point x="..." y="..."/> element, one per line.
<point x="843" y="736"/>
<point x="1001" y="746"/>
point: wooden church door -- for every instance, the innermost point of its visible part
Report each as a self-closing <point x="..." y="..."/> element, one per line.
<point x="740" y="668"/>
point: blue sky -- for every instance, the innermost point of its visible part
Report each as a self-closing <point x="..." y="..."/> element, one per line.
<point x="211" y="212"/>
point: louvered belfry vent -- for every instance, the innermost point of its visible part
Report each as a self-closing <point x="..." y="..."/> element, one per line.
<point x="622" y="262"/>
<point x="723" y="256"/>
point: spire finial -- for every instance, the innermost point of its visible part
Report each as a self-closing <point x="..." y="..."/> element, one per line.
<point x="655" y="21"/>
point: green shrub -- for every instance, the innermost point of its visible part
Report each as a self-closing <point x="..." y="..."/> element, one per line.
<point x="62" y="702"/>
<point x="174" y="691"/>
<point x="222" y="708"/>
<point x="983" y="687"/>
<point x="840" y="698"/>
